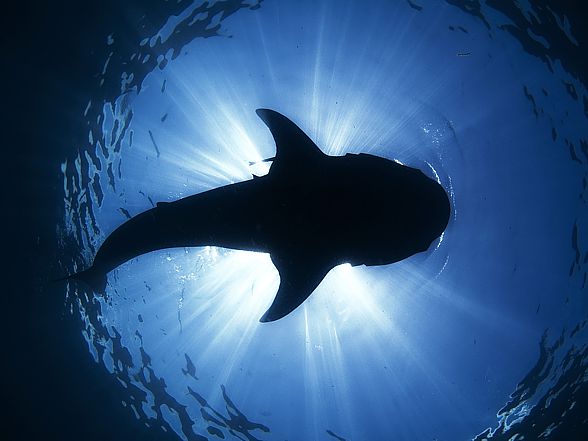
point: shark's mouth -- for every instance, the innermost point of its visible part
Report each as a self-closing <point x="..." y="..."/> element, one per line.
<point x="429" y="86"/>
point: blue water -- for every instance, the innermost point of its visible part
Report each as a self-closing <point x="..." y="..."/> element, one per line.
<point x="429" y="348"/>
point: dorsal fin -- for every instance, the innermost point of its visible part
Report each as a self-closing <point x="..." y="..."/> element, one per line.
<point x="293" y="147"/>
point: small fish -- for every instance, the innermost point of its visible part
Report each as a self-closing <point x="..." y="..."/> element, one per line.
<point x="125" y="212"/>
<point x="334" y="435"/>
<point x="154" y="143"/>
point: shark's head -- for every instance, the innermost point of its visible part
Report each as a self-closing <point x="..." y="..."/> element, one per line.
<point x="425" y="206"/>
<point x="405" y="210"/>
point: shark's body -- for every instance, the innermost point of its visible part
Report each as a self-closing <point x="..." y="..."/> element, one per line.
<point x="311" y="212"/>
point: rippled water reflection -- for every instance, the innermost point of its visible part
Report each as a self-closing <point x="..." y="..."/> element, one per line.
<point x="487" y="100"/>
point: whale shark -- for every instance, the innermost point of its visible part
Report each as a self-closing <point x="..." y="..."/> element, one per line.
<point x="311" y="213"/>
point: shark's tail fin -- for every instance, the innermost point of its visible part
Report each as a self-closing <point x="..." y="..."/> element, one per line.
<point x="92" y="277"/>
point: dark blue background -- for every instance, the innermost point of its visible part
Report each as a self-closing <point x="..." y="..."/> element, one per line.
<point x="51" y="51"/>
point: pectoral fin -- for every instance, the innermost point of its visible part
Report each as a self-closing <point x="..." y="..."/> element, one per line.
<point x="299" y="277"/>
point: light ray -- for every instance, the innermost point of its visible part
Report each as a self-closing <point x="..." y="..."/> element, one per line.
<point x="369" y="342"/>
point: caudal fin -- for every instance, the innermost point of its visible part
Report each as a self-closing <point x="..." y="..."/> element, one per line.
<point x="92" y="277"/>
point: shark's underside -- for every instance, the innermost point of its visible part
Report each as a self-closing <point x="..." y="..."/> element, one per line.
<point x="311" y="212"/>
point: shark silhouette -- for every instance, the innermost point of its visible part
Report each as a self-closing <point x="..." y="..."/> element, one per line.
<point x="311" y="212"/>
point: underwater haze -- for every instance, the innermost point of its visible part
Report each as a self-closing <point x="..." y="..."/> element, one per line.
<point x="482" y="337"/>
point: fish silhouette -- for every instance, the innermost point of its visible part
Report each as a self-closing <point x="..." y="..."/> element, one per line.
<point x="311" y="212"/>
